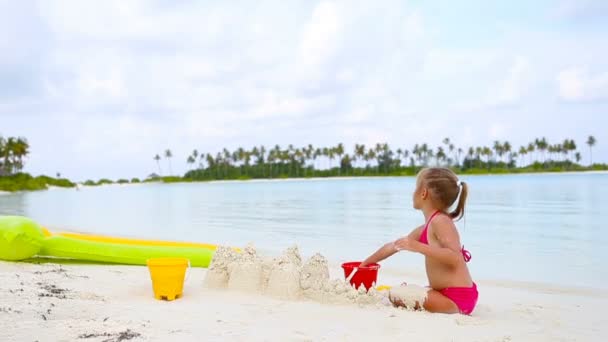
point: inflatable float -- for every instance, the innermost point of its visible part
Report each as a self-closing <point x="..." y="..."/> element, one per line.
<point x="21" y="238"/>
<point x="128" y="241"/>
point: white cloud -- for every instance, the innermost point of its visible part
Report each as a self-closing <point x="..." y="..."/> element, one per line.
<point x="413" y="26"/>
<point x="130" y="79"/>
<point x="580" y="9"/>
<point x="318" y="45"/>
<point x="577" y="84"/>
<point x="514" y="86"/>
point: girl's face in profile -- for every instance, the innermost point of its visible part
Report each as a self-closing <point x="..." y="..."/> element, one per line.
<point x="419" y="194"/>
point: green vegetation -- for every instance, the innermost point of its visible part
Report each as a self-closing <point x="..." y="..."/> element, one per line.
<point x="308" y="161"/>
<point x="380" y="160"/>
<point x="23" y="181"/>
<point x="13" y="152"/>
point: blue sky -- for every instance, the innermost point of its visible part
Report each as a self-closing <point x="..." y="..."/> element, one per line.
<point x="99" y="88"/>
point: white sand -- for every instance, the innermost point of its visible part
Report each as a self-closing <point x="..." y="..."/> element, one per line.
<point x="49" y="302"/>
<point x="409" y="295"/>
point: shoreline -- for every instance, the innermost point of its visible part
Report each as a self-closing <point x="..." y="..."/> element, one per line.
<point x="80" y="185"/>
<point x="50" y="302"/>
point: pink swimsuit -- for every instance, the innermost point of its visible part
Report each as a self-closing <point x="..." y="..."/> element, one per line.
<point x="464" y="297"/>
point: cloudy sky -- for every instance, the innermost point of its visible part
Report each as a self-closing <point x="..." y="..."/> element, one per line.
<point x="100" y="87"/>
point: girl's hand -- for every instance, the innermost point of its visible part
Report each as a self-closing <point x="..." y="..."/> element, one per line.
<point x="406" y="244"/>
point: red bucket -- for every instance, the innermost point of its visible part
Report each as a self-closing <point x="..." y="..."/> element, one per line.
<point x="365" y="275"/>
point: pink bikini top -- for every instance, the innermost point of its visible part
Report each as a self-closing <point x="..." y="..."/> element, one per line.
<point x="425" y="239"/>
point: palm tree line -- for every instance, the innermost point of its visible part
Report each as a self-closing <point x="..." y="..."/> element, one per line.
<point x="13" y="151"/>
<point x="379" y="159"/>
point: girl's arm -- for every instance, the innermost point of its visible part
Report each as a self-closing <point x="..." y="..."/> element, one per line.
<point x="444" y="254"/>
<point x="384" y="252"/>
<point x="388" y="249"/>
<point x="448" y="251"/>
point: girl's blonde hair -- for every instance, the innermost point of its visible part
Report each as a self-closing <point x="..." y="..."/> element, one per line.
<point x="444" y="188"/>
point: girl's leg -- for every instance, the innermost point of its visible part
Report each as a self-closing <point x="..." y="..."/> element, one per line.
<point x="435" y="302"/>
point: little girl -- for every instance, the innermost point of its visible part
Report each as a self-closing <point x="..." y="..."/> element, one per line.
<point x="452" y="289"/>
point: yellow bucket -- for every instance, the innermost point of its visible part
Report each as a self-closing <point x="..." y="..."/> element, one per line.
<point x="167" y="276"/>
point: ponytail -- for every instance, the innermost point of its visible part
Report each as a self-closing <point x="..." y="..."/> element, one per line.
<point x="458" y="213"/>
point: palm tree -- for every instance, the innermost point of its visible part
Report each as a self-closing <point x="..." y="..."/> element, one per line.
<point x="487" y="152"/>
<point x="157" y="158"/>
<point x="331" y="154"/>
<point x="17" y="148"/>
<point x="441" y="155"/>
<point x="531" y="148"/>
<point x="469" y="157"/>
<point x="577" y="156"/>
<point x="318" y="153"/>
<point x="498" y="150"/>
<point x="226" y="161"/>
<point x="9" y="155"/>
<point x="262" y="158"/>
<point x="512" y="157"/>
<point x="506" y="148"/>
<point x="424" y="152"/>
<point x="446" y="141"/>
<point x="359" y="152"/>
<point x="371" y="155"/>
<point x="522" y="153"/>
<point x="168" y="155"/>
<point x="416" y="152"/>
<point x="448" y="147"/>
<point x="3" y="156"/>
<point x="430" y="154"/>
<point x="308" y="156"/>
<point x="201" y="163"/>
<point x="451" y="148"/>
<point x="565" y="149"/>
<point x="542" y="145"/>
<point x="21" y="150"/>
<point x="299" y="159"/>
<point x="271" y="159"/>
<point x="339" y="152"/>
<point x="190" y="161"/>
<point x="591" y="142"/>
<point x="550" y="149"/>
<point x="572" y="146"/>
<point x="210" y="161"/>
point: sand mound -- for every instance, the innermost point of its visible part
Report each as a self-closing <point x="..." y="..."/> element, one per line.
<point x="283" y="277"/>
<point x="218" y="275"/>
<point x="409" y="294"/>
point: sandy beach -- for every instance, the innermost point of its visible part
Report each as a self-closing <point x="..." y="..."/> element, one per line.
<point x="73" y="302"/>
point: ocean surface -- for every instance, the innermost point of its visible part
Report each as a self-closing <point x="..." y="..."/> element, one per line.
<point x="546" y="228"/>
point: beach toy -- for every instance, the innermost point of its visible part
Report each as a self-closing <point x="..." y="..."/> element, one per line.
<point x="46" y="232"/>
<point x="366" y="275"/>
<point x="352" y="274"/>
<point x="167" y="276"/>
<point x="20" y="238"/>
<point x="383" y="287"/>
<point x="129" y="241"/>
<point x="64" y="247"/>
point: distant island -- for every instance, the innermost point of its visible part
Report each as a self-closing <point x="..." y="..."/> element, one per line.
<point x="309" y="161"/>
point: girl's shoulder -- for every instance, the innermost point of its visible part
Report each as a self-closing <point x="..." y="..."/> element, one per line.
<point x="442" y="222"/>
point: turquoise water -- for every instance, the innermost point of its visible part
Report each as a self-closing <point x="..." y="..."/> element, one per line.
<point x="543" y="228"/>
